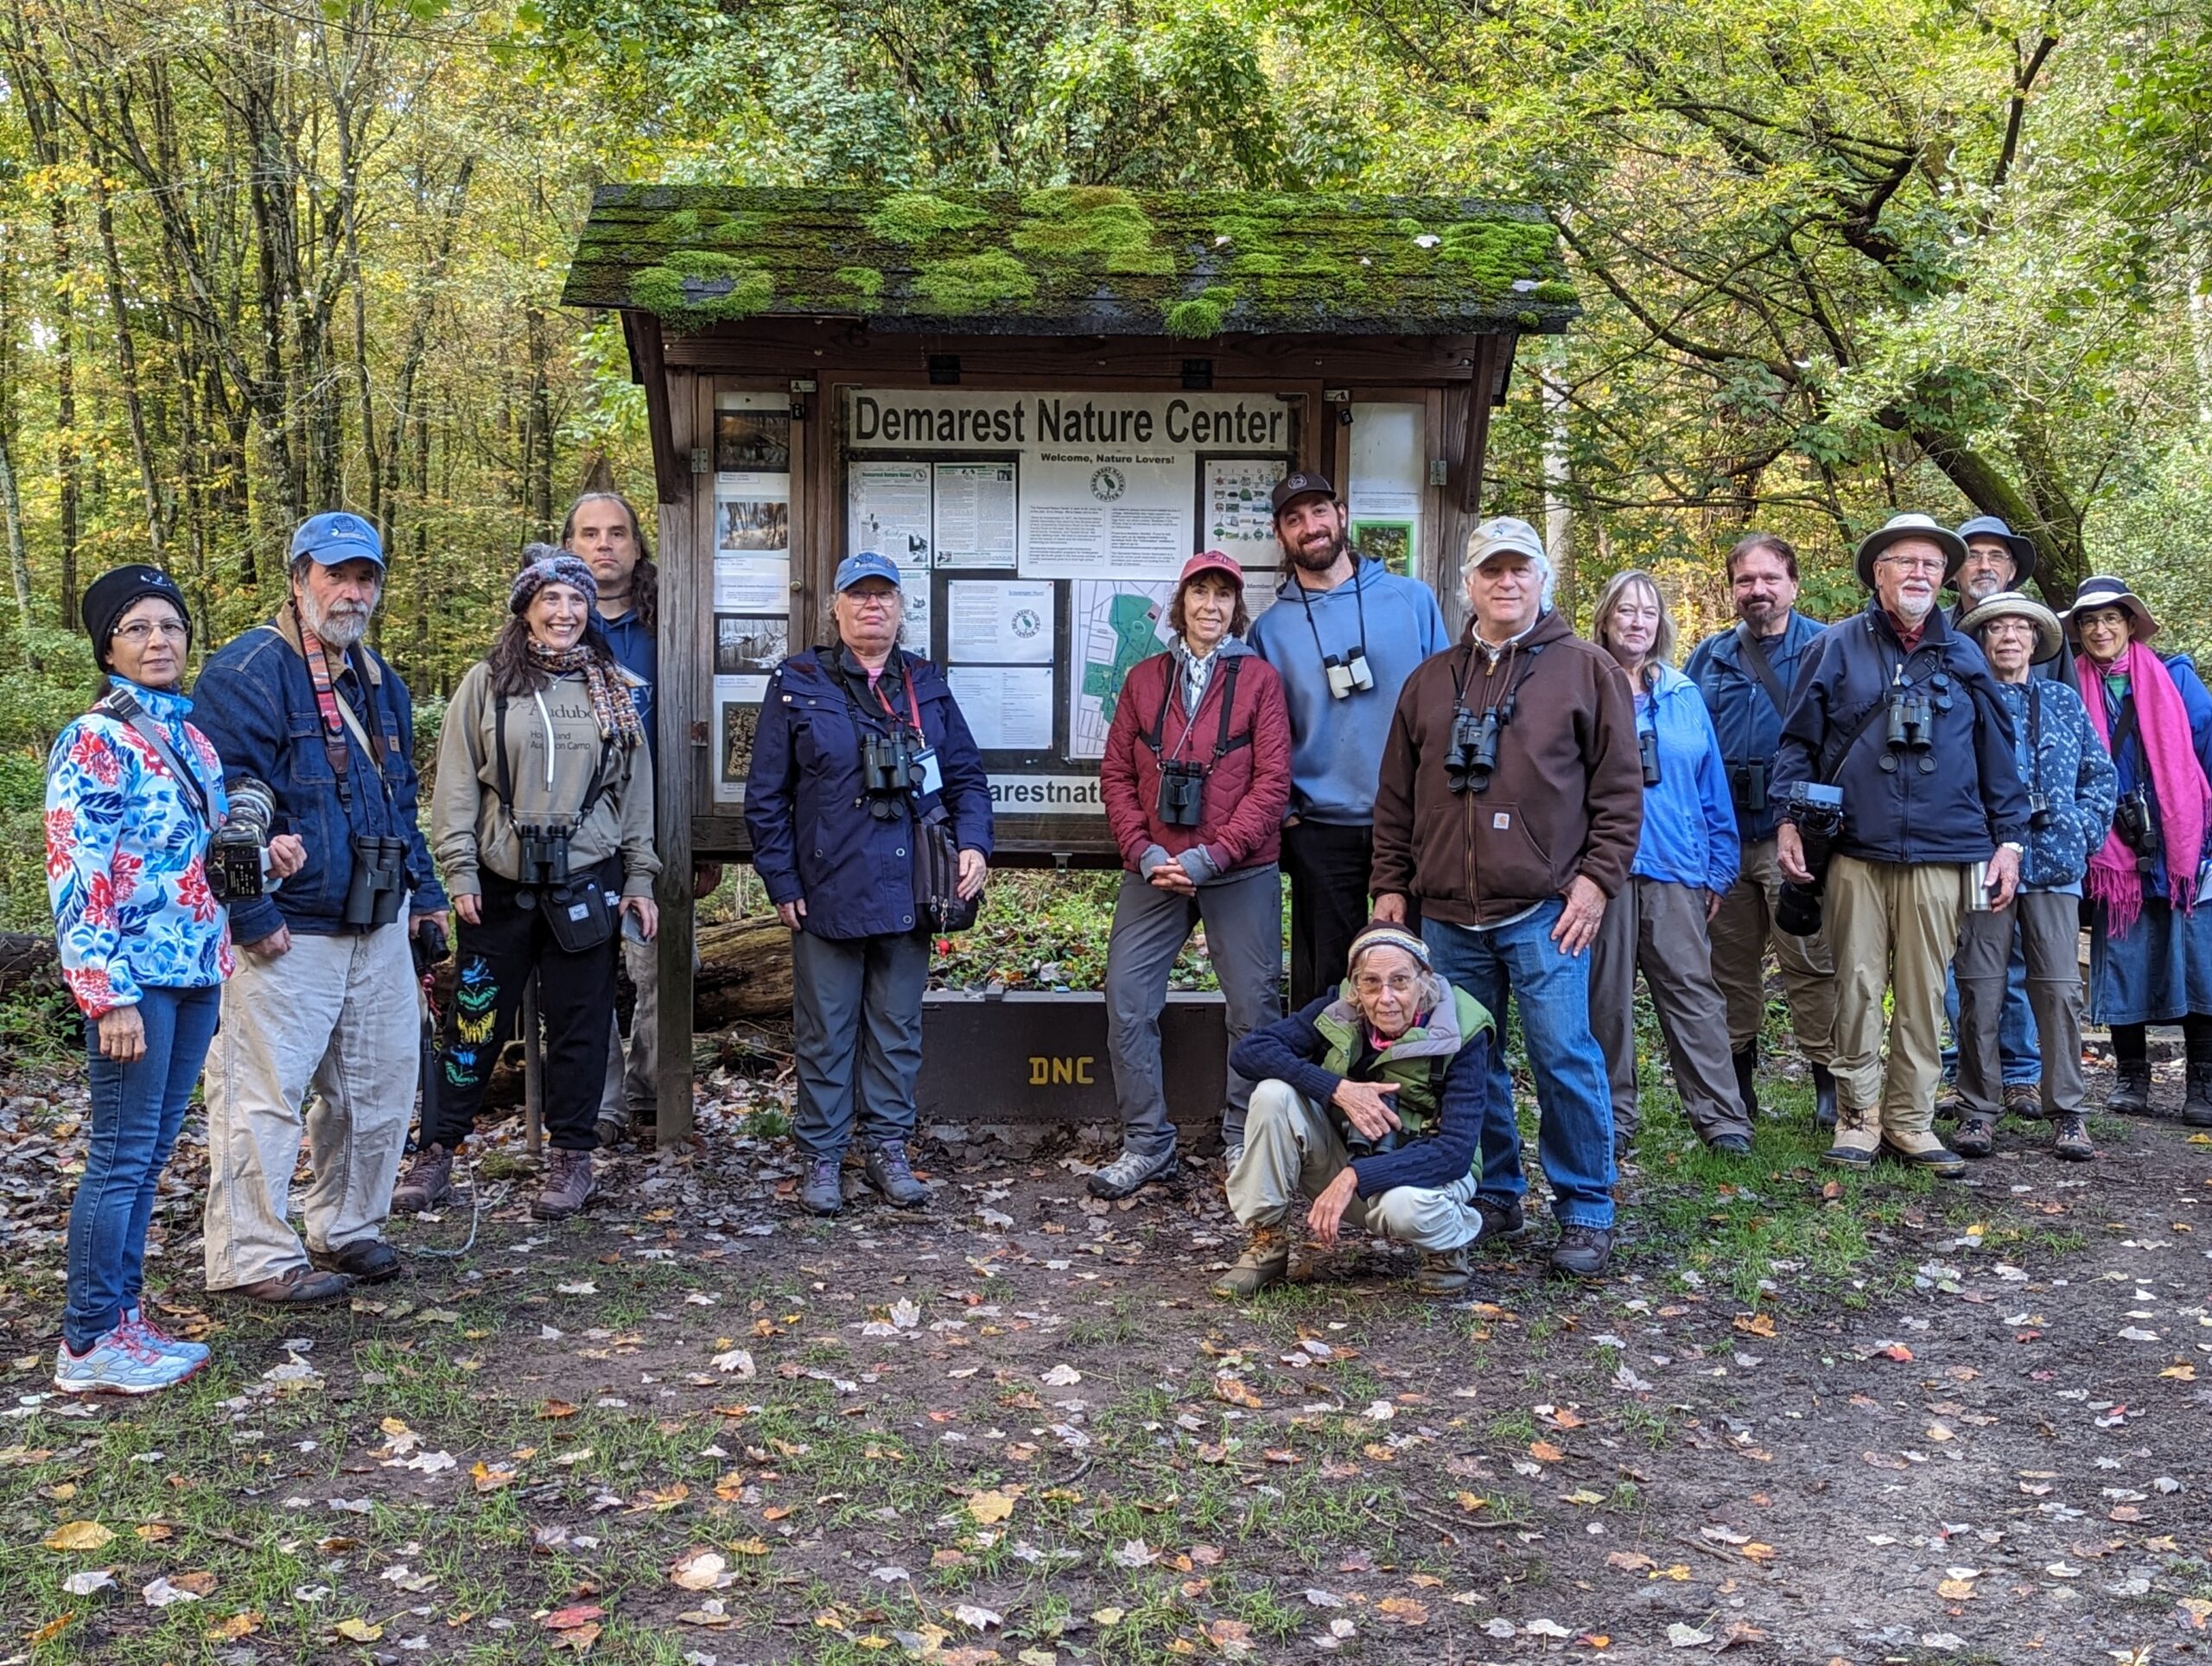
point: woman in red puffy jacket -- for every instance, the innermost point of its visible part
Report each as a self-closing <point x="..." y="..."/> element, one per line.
<point x="1195" y="777"/>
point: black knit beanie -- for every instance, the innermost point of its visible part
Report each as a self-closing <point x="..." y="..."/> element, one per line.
<point x="110" y="595"/>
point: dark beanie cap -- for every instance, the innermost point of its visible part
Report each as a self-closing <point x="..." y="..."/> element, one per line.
<point x="110" y="595"/>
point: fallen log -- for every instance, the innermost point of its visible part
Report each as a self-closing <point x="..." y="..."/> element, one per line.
<point x="29" y="958"/>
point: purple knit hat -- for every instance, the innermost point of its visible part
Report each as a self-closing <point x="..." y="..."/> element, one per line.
<point x="554" y="569"/>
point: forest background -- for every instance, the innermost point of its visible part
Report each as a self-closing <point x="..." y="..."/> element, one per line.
<point x="1837" y="257"/>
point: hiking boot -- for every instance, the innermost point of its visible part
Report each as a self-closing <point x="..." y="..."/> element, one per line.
<point x="300" y="1286"/>
<point x="1444" y="1272"/>
<point x="1856" y="1137"/>
<point x="1582" y="1251"/>
<point x="366" y="1261"/>
<point x="569" y="1185"/>
<point x="610" y="1131"/>
<point x="1129" y="1172"/>
<point x="822" y="1191"/>
<point x="1266" y="1260"/>
<point x="1823" y="1096"/>
<point x="427" y="1183"/>
<point x="2196" y="1101"/>
<point x="1502" y="1218"/>
<point x="1975" y="1136"/>
<point x="2069" y="1140"/>
<point x="160" y="1340"/>
<point x="124" y="1361"/>
<point x="1746" y="1060"/>
<point x="2131" y="1089"/>
<point x="888" y="1173"/>
<point x="1729" y="1145"/>
<point x="1918" y="1150"/>
<point x="2024" y="1101"/>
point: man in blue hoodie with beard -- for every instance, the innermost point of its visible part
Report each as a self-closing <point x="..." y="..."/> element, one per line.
<point x="1344" y="634"/>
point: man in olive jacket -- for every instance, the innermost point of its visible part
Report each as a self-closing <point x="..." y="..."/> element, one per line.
<point x="1510" y="804"/>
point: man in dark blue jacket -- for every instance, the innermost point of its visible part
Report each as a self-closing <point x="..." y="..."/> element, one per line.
<point x="1745" y="673"/>
<point x="1899" y="711"/>
<point x="324" y="997"/>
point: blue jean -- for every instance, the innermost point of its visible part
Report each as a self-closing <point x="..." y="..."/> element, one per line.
<point x="2019" y="1051"/>
<point x="1574" y="1130"/>
<point x="136" y="1110"/>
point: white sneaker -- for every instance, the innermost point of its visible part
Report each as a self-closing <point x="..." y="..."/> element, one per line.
<point x="1129" y="1172"/>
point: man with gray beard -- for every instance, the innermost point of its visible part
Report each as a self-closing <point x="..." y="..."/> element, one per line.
<point x="324" y="997"/>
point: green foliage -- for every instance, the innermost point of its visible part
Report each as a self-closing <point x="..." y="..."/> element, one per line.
<point x="697" y="286"/>
<point x="969" y="285"/>
<point x="1100" y="226"/>
<point x="915" y="217"/>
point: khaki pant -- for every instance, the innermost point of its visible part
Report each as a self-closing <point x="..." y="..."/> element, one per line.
<point x="1292" y="1150"/>
<point x="336" y="1013"/>
<point x="1893" y="926"/>
<point x="631" y="1093"/>
<point x="1740" y="933"/>
<point x="1660" y="929"/>
<point x="2050" y="927"/>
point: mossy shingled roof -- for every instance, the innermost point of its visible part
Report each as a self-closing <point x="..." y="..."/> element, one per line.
<point x="1073" y="260"/>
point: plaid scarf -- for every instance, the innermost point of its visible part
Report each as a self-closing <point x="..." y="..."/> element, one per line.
<point x="610" y="694"/>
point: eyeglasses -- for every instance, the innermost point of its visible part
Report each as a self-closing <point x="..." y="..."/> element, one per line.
<point x="170" y="630"/>
<point x="875" y="601"/>
<point x="1399" y="984"/>
<point x="1913" y="563"/>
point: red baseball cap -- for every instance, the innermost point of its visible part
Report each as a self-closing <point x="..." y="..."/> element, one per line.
<point x="1211" y="561"/>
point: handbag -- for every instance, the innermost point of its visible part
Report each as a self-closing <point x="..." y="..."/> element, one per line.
<point x="937" y="876"/>
<point x="577" y="915"/>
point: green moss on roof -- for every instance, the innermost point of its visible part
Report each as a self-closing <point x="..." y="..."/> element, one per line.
<point x="1075" y="260"/>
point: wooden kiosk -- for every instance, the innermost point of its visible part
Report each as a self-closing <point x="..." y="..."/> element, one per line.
<point x="1038" y="404"/>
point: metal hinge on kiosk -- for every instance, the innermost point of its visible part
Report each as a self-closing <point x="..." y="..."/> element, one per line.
<point x="702" y="462"/>
<point x="1440" y="472"/>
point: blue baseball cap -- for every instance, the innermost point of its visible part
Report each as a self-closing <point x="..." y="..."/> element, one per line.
<point x="866" y="564"/>
<point x="337" y="535"/>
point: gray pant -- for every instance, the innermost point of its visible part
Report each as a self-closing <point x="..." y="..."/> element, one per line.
<point x="631" y="1093"/>
<point x="1739" y="935"/>
<point x="857" y="1001"/>
<point x="1243" y="921"/>
<point x="1296" y="1150"/>
<point x="1660" y="928"/>
<point x="2051" y="935"/>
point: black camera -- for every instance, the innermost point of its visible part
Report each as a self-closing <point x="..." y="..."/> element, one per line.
<point x="1816" y="811"/>
<point x="1647" y="753"/>
<point x="1473" y="756"/>
<point x="429" y="947"/>
<point x="2038" y="809"/>
<point x="378" y="884"/>
<point x="1182" y="791"/>
<point x="235" y="853"/>
<point x="889" y="771"/>
<point x="1747" y="785"/>
<point x="544" y="855"/>
<point x="2135" y="818"/>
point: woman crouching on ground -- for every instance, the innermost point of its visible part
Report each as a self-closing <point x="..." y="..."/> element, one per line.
<point x="1368" y="1109"/>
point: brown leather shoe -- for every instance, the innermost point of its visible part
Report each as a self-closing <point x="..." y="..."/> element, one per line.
<point x="365" y="1260"/>
<point x="299" y="1287"/>
<point x="569" y="1185"/>
<point x="2024" y="1101"/>
<point x="427" y="1183"/>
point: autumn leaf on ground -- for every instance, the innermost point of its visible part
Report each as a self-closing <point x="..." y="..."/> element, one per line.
<point x="1545" y="1453"/>
<point x="985" y="1508"/>
<point x="489" y="1479"/>
<point x="359" y="1630"/>
<point x="78" y="1535"/>
<point x="1404" y="1609"/>
<point x="701" y="1570"/>
<point x="1755" y="1323"/>
<point x="1233" y="1390"/>
<point x="578" y="1639"/>
<point x="237" y="1625"/>
<point x="575" y="1615"/>
<point x="555" y="1408"/>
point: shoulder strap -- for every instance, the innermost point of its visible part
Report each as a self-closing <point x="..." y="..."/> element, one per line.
<point x="2123" y="728"/>
<point x="122" y="705"/>
<point x="505" y="788"/>
<point x="1752" y="654"/>
<point x="1221" y="741"/>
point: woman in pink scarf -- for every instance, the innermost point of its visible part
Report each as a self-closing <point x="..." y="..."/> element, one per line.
<point x="2150" y="942"/>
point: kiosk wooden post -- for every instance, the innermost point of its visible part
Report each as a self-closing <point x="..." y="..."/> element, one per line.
<point x="1038" y="404"/>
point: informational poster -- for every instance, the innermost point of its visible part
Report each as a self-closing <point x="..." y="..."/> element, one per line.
<point x="751" y="545"/>
<point x="892" y="511"/>
<point x="975" y="514"/>
<point x="1239" y="508"/>
<point x="750" y="645"/>
<point x="1113" y="625"/>
<point x="1001" y="622"/>
<point x="1008" y="707"/>
<point x="737" y="716"/>
<point x="752" y="514"/>
<point x="1389" y="473"/>
<point x="752" y="584"/>
<point x="1390" y="542"/>
<point x="1083" y="517"/>
<point x="915" y="589"/>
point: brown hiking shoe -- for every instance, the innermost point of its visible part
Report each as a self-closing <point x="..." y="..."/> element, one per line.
<point x="300" y="1286"/>
<point x="427" y="1183"/>
<point x="1444" y="1272"/>
<point x="569" y="1185"/>
<point x="1266" y="1260"/>
<point x="2024" y="1100"/>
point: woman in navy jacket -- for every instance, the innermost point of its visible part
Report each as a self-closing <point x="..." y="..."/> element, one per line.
<point x="840" y="862"/>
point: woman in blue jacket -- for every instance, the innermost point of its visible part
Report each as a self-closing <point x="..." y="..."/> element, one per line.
<point x="1686" y="860"/>
<point x="859" y="745"/>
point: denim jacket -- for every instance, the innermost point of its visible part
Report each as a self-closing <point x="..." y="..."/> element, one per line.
<point x="126" y="858"/>
<point x="1689" y="826"/>
<point x="2061" y="757"/>
<point x="257" y="704"/>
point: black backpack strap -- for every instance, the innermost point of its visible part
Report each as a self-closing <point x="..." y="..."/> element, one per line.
<point x="505" y="788"/>
<point x="1222" y="744"/>
<point x="1748" y="651"/>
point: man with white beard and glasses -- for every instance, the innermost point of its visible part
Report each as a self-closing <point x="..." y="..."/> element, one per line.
<point x="324" y="997"/>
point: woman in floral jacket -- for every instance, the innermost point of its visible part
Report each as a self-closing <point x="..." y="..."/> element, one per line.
<point x="144" y="948"/>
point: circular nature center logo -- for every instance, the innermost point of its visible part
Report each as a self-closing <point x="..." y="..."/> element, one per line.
<point x="1108" y="484"/>
<point x="1026" y="623"/>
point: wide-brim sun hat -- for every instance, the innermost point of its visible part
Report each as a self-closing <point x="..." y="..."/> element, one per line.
<point x="2022" y="548"/>
<point x="2102" y="590"/>
<point x="2051" y="636"/>
<point x="1896" y="530"/>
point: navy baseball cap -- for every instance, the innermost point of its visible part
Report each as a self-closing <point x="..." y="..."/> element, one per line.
<point x="866" y="564"/>
<point x="1300" y="483"/>
<point x="337" y="535"/>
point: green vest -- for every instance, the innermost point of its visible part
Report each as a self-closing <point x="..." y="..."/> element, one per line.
<point x="1416" y="1061"/>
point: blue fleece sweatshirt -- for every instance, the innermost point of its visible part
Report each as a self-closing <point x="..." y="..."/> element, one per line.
<point x="1337" y="745"/>
<point x="1689" y="824"/>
